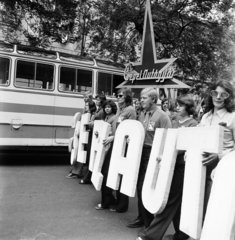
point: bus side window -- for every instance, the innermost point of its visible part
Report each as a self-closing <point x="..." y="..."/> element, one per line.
<point x="107" y="83"/>
<point x="34" y="75"/>
<point x="67" y="79"/>
<point x="44" y="76"/>
<point x="4" y="71"/>
<point x="75" y="80"/>
<point x="84" y="81"/>
<point x="104" y="83"/>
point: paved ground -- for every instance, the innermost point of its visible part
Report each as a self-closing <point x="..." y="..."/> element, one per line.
<point x="38" y="202"/>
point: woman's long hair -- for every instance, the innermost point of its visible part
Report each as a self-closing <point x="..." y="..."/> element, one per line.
<point x="228" y="103"/>
<point x="127" y="95"/>
<point x="112" y="105"/>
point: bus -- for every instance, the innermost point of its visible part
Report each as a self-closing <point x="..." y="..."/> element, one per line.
<point x="41" y="91"/>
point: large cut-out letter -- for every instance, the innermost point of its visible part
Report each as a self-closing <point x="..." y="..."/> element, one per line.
<point x="74" y="148"/>
<point x="83" y="138"/>
<point x="101" y="131"/>
<point x="196" y="140"/>
<point x="157" y="180"/>
<point x="219" y="222"/>
<point x="127" y="166"/>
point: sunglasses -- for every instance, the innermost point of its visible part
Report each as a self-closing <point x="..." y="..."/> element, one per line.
<point x="223" y="95"/>
<point x="120" y="95"/>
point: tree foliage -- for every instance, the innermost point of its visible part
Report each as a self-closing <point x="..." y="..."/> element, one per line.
<point x="200" y="33"/>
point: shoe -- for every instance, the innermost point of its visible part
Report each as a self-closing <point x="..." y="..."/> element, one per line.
<point x="84" y="182"/>
<point x="73" y="175"/>
<point x="174" y="237"/>
<point x="113" y="209"/>
<point x="100" y="207"/>
<point x="137" y="223"/>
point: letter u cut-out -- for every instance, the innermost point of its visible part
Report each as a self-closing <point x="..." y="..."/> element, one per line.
<point x="158" y="176"/>
<point x="127" y="166"/>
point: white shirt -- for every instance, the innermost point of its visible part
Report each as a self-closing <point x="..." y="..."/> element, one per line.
<point x="222" y="116"/>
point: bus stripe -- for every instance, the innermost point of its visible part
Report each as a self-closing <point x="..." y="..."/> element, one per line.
<point x="38" y="109"/>
<point x="52" y="93"/>
<point x="45" y="132"/>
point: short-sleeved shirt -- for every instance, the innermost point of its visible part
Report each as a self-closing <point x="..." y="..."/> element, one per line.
<point x="123" y="114"/>
<point x="226" y="118"/>
<point x="111" y="119"/>
<point x="157" y="119"/>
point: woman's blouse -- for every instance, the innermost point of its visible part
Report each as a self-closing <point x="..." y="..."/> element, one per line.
<point x="227" y="120"/>
<point x="110" y="119"/>
<point x="190" y="122"/>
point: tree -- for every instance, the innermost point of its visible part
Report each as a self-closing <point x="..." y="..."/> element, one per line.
<point x="199" y="33"/>
<point x="46" y="20"/>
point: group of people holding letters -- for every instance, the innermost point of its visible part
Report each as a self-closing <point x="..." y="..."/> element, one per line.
<point x="219" y="111"/>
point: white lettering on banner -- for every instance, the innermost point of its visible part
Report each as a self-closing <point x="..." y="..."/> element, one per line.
<point x="74" y="150"/>
<point x="157" y="181"/>
<point x="219" y="221"/>
<point x="130" y="74"/>
<point x="196" y="140"/>
<point x="127" y="166"/>
<point x="83" y="138"/>
<point x="100" y="132"/>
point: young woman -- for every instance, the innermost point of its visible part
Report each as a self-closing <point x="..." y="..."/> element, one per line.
<point x="90" y="107"/>
<point x="220" y="111"/>
<point x="125" y="111"/>
<point x="168" y="106"/>
<point x="98" y="114"/>
<point x="107" y="198"/>
<point x="159" y="225"/>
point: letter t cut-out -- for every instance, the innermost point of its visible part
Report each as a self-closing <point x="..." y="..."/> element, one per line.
<point x="196" y="140"/>
<point x="127" y="166"/>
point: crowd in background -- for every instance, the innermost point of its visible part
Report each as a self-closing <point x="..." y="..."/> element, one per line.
<point x="199" y="107"/>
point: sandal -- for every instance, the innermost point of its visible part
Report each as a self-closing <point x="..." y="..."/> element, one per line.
<point x="100" y="207"/>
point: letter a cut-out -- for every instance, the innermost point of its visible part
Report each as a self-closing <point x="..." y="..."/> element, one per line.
<point x="196" y="140"/>
<point x="158" y="179"/>
<point x="83" y="138"/>
<point x="127" y="166"/>
<point x="101" y="131"/>
<point x="219" y="222"/>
